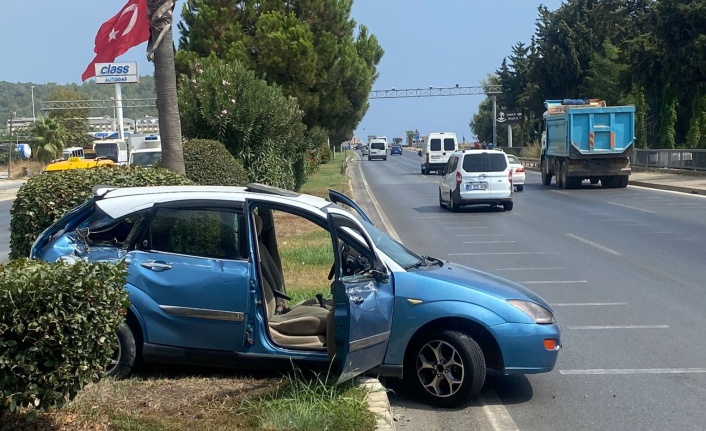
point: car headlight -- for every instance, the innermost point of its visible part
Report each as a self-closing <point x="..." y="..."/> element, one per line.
<point x="535" y="311"/>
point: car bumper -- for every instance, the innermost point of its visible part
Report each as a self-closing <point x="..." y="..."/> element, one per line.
<point x="518" y="180"/>
<point x="480" y="197"/>
<point x="523" y="347"/>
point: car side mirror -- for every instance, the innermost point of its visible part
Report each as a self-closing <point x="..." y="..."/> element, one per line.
<point x="419" y="153"/>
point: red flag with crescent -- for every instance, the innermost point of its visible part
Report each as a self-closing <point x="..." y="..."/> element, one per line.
<point x="130" y="27"/>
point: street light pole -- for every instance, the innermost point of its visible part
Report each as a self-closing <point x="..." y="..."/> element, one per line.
<point x="34" y="117"/>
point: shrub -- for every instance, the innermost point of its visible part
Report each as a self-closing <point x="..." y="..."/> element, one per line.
<point x="258" y="125"/>
<point x="45" y="198"/>
<point x="208" y="163"/>
<point x="57" y="326"/>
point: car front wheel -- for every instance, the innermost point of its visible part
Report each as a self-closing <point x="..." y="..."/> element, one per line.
<point x="445" y="369"/>
<point x="124" y="359"/>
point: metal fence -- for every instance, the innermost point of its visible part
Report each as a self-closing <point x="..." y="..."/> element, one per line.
<point x="672" y="159"/>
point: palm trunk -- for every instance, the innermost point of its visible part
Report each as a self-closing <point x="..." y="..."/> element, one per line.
<point x="168" y="106"/>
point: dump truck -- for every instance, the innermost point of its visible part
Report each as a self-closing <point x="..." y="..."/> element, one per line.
<point x="583" y="139"/>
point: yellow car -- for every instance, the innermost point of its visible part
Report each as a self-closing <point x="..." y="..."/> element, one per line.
<point x="77" y="163"/>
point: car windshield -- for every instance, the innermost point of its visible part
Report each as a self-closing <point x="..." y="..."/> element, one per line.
<point x="391" y="247"/>
<point x="377" y="146"/>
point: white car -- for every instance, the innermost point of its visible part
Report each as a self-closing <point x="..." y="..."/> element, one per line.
<point x="518" y="172"/>
<point x="473" y="177"/>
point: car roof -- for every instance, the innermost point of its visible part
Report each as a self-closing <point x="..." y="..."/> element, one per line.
<point x="478" y="151"/>
<point x="124" y="200"/>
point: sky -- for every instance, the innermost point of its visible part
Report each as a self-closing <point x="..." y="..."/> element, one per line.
<point x="439" y="43"/>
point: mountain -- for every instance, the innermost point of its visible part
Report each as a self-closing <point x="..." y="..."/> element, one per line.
<point x="17" y="97"/>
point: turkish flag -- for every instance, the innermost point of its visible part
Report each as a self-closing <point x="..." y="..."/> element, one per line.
<point x="130" y="27"/>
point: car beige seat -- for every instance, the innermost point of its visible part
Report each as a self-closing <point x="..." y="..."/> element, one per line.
<point x="302" y="326"/>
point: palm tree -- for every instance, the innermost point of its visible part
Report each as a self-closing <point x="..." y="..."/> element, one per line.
<point x="48" y="139"/>
<point x="161" y="51"/>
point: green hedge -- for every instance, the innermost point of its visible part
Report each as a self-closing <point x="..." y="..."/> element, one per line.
<point x="47" y="197"/>
<point x="57" y="326"/>
<point x="208" y="163"/>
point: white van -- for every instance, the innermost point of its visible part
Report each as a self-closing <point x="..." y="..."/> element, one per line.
<point x="378" y="149"/>
<point x="436" y="150"/>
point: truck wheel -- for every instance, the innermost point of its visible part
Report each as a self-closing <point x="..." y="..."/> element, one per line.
<point x="623" y="181"/>
<point x="546" y="176"/>
<point x="560" y="176"/>
<point x="424" y="170"/>
<point x="609" y="182"/>
<point x="520" y="187"/>
<point x="594" y="181"/>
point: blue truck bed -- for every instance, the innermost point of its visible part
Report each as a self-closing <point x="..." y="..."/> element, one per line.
<point x="587" y="132"/>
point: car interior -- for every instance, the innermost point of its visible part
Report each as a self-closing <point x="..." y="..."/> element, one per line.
<point x="301" y="325"/>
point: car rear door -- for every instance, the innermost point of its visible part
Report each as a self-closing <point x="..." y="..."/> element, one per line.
<point x="189" y="276"/>
<point x="486" y="171"/>
<point x="363" y="301"/>
<point x="498" y="171"/>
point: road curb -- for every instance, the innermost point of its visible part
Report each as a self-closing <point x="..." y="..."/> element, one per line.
<point x="378" y="403"/>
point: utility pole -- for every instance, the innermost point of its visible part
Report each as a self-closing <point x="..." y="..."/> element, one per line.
<point x="34" y="117"/>
<point x="9" y="147"/>
<point x="495" y="117"/>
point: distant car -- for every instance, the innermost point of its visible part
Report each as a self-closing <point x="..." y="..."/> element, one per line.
<point x="518" y="172"/>
<point x="396" y="149"/>
<point x="378" y="149"/>
<point x="208" y="276"/>
<point x="473" y="177"/>
<point x="364" y="150"/>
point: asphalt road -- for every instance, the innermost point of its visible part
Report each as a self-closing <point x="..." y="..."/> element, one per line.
<point x="623" y="269"/>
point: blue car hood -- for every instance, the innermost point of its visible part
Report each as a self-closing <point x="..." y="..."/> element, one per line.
<point x="482" y="282"/>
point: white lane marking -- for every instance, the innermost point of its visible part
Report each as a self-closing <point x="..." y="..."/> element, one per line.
<point x="632" y="208"/>
<point x="495" y="411"/>
<point x="480" y="234"/>
<point x="594" y="245"/>
<point x="509" y="252"/>
<point x="682" y="239"/>
<point x="684" y="204"/>
<point x="662" y="233"/>
<point x="616" y="219"/>
<point x="378" y="208"/>
<point x="488" y="242"/>
<point x="613" y="371"/>
<point x="528" y="269"/>
<point x="428" y="217"/>
<point x="669" y="191"/>
<point x="555" y="282"/>
<point x="466" y="227"/>
<point x="621" y="327"/>
<point x="587" y="304"/>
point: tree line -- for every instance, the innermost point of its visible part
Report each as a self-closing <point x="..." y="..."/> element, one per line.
<point x="646" y="53"/>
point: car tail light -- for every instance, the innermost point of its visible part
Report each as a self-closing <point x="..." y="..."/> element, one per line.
<point x="519" y="170"/>
<point x="459" y="178"/>
<point x="509" y="176"/>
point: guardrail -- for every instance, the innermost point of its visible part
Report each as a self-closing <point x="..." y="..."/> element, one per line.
<point x="691" y="160"/>
<point x="688" y="159"/>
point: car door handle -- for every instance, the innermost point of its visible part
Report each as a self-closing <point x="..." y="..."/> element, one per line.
<point x="156" y="266"/>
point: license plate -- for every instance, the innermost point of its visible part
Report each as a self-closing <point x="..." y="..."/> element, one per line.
<point x="435" y="157"/>
<point x="476" y="186"/>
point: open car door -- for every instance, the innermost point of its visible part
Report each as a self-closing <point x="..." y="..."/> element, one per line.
<point x="363" y="298"/>
<point x="340" y="199"/>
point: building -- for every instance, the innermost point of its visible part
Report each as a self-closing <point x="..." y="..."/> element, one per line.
<point x="109" y="124"/>
<point x="15" y="124"/>
<point x="147" y="125"/>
